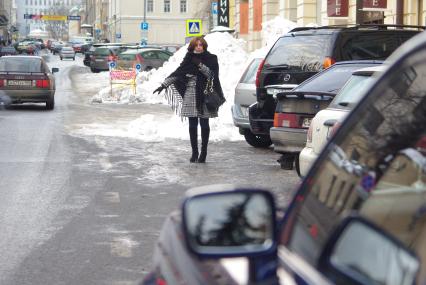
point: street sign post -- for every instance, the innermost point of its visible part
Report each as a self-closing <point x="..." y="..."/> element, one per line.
<point x="138" y="67"/>
<point x="194" y="28"/>
<point x="112" y="65"/>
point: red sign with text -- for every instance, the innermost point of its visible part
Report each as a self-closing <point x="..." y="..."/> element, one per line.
<point x="337" y="8"/>
<point x="371" y="4"/>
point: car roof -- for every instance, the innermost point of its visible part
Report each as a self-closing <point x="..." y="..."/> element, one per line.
<point x="27" y="56"/>
<point x="363" y="27"/>
<point x="140" y="50"/>
<point x="370" y="69"/>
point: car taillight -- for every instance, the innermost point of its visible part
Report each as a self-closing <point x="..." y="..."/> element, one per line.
<point x="328" y="61"/>
<point x="309" y="135"/>
<point x="259" y="71"/>
<point x="421" y="144"/>
<point x="289" y="121"/>
<point x="45" y="83"/>
<point x="3" y="82"/>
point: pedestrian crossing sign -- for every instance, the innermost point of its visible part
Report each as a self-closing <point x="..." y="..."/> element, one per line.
<point x="193" y="28"/>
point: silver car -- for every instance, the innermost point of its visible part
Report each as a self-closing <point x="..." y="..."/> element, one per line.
<point x="245" y="95"/>
<point x="67" y="52"/>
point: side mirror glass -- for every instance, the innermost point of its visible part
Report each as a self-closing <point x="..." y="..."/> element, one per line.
<point x="359" y="253"/>
<point x="240" y="222"/>
<point x="55" y="69"/>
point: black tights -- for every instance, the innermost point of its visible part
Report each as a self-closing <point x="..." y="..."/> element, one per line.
<point x="193" y="122"/>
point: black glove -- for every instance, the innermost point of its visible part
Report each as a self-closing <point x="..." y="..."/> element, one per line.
<point x="159" y="89"/>
<point x="196" y="61"/>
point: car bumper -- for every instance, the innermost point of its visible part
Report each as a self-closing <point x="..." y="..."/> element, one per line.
<point x="22" y="96"/>
<point x="288" y="139"/>
<point x="240" y="120"/>
<point x="306" y="159"/>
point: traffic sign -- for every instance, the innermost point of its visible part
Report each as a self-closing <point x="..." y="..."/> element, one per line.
<point x="214" y="8"/>
<point x="112" y="65"/>
<point x="193" y="28"/>
<point x="138" y="67"/>
<point x="118" y="35"/>
<point x="144" y="26"/>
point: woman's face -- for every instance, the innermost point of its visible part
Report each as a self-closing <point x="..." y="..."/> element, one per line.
<point x="198" y="47"/>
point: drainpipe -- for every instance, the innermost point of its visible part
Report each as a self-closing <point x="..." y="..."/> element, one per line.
<point x="399" y="12"/>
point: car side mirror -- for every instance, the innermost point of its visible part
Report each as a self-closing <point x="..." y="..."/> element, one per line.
<point x="222" y="221"/>
<point x="360" y="253"/>
<point x="55" y="69"/>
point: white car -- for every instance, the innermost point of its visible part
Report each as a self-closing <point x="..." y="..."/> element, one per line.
<point x="327" y="121"/>
<point x="67" y="52"/>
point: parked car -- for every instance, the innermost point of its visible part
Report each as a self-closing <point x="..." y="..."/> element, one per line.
<point x="305" y="51"/>
<point x="326" y="121"/>
<point x="102" y="55"/>
<point x="148" y="58"/>
<point x="245" y="95"/>
<point x="67" y="52"/>
<point x="26" y="79"/>
<point x="26" y="47"/>
<point x="357" y="218"/>
<point x="296" y="108"/>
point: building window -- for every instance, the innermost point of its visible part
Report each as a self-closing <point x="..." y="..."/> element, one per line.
<point x="150" y="6"/>
<point x="183" y="6"/>
<point x="45" y="2"/>
<point x="166" y="6"/>
<point x="26" y="2"/>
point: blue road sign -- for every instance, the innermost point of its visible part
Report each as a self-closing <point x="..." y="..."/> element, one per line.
<point x="118" y="35"/>
<point x="214" y="8"/>
<point x="74" y="18"/>
<point x="138" y="67"/>
<point x="144" y="26"/>
<point x="112" y="64"/>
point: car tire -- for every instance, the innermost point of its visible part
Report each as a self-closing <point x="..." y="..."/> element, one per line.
<point x="61" y="58"/>
<point x="50" y="104"/>
<point x="73" y="58"/>
<point x="258" y="141"/>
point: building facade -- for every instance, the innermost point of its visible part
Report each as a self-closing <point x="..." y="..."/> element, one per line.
<point x="250" y="14"/>
<point x="44" y="7"/>
<point x="7" y="19"/>
<point x="166" y="20"/>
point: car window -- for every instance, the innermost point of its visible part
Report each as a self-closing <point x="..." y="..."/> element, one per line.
<point x="127" y="56"/>
<point x="150" y="55"/>
<point x="352" y="91"/>
<point x="249" y="76"/>
<point x="331" y="79"/>
<point x="372" y="45"/>
<point x="378" y="169"/>
<point x="102" y="51"/>
<point x="305" y="52"/>
<point x="163" y="55"/>
<point x="20" y="64"/>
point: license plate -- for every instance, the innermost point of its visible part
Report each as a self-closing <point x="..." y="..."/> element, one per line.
<point x="19" y="83"/>
<point x="99" y="60"/>
<point x="306" y="122"/>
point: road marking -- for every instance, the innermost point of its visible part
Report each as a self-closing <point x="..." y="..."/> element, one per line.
<point x="112" y="197"/>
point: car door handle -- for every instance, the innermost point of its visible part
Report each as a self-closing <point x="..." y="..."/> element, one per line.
<point x="330" y="122"/>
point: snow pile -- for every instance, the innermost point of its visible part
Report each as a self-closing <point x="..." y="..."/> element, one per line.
<point x="274" y="29"/>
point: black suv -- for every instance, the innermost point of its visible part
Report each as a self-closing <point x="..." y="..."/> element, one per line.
<point x="305" y="51"/>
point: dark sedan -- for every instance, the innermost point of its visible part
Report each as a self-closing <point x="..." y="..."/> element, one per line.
<point x="27" y="79"/>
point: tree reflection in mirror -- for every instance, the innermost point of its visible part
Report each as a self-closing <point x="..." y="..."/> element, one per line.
<point x="229" y="221"/>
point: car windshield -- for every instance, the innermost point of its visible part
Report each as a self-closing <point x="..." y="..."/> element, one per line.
<point x="305" y="52"/>
<point x="102" y="51"/>
<point x="352" y="91"/>
<point x="127" y="56"/>
<point x="20" y="64"/>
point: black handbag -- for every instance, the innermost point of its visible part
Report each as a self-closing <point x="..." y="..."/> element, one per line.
<point x="211" y="98"/>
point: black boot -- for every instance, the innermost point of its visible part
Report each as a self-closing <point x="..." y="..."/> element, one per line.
<point x="193" y="136"/>
<point x="205" y="132"/>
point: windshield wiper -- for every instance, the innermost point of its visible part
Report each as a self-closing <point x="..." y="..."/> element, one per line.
<point x="344" y="104"/>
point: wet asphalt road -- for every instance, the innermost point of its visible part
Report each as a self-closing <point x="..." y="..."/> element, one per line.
<point x="87" y="209"/>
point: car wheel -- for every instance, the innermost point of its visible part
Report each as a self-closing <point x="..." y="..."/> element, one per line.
<point x="50" y="104"/>
<point x="260" y="141"/>
<point x="73" y="58"/>
<point x="61" y="58"/>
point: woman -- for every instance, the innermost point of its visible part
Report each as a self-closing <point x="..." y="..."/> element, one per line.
<point x="185" y="92"/>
